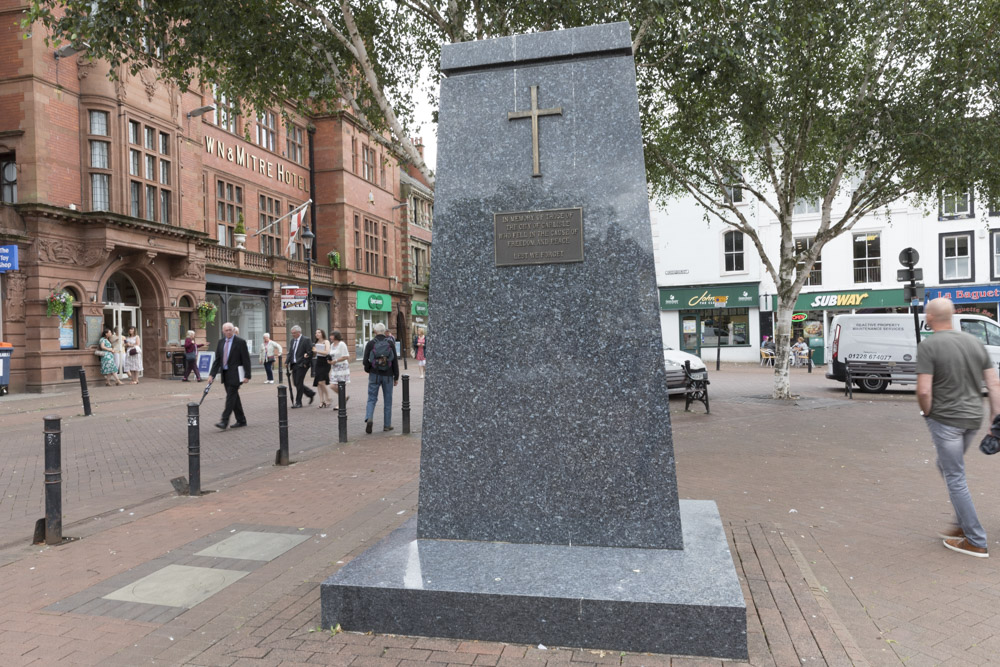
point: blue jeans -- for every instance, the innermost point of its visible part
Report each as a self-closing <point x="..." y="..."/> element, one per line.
<point x="951" y="443"/>
<point x="374" y="382"/>
<point x="268" y="366"/>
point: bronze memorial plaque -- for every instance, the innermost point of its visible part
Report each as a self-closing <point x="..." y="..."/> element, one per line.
<point x="538" y="237"/>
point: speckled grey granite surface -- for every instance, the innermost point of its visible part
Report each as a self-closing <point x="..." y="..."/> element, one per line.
<point x="649" y="600"/>
<point x="546" y="414"/>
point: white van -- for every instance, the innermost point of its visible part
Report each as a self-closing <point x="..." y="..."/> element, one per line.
<point x="887" y="341"/>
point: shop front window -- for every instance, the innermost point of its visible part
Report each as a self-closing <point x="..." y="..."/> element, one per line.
<point x="69" y="331"/>
<point x="249" y="314"/>
<point x="723" y="326"/>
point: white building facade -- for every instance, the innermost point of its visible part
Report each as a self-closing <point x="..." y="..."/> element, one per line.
<point x="717" y="299"/>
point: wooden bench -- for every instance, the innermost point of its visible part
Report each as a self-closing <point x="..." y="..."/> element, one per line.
<point x="875" y="376"/>
<point x="696" y="387"/>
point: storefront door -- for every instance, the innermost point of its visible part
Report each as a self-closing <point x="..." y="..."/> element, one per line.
<point x="691" y="334"/>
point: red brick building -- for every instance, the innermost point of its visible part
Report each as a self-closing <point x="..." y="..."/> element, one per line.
<point x="127" y="195"/>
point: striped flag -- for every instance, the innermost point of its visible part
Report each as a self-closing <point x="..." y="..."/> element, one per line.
<point x="293" y="228"/>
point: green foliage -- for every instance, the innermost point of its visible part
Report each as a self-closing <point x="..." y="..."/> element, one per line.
<point x="59" y="304"/>
<point x="334" y="258"/>
<point x="240" y="227"/>
<point x="206" y="313"/>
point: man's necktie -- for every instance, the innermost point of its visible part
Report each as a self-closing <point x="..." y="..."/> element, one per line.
<point x="225" y="354"/>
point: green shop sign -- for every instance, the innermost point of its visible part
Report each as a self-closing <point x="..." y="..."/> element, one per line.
<point x="419" y="308"/>
<point x="374" y="301"/>
<point x="712" y="296"/>
<point x="886" y="298"/>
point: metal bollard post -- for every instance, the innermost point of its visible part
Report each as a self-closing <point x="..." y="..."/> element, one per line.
<point x="53" y="480"/>
<point x="406" y="403"/>
<point x="342" y="410"/>
<point x="810" y="361"/>
<point x="194" y="451"/>
<point x="281" y="456"/>
<point x="280" y="376"/>
<point x="718" y="353"/>
<point x="85" y="393"/>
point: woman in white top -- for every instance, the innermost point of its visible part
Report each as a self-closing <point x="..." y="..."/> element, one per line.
<point x="340" y="358"/>
<point x="269" y="351"/>
<point x="118" y="347"/>
<point x="133" y="355"/>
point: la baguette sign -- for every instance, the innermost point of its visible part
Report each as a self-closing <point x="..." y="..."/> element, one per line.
<point x="241" y="157"/>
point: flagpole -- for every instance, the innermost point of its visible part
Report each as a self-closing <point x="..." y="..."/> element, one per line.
<point x="290" y="213"/>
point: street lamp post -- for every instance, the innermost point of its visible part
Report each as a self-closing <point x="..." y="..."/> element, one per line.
<point x="307" y="243"/>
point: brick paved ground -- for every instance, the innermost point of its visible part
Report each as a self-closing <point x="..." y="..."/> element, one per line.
<point x="832" y="507"/>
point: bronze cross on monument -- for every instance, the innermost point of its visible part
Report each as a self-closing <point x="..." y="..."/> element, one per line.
<point x="533" y="114"/>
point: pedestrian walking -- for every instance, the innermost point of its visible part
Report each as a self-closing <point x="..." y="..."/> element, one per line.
<point x="298" y="361"/>
<point x="382" y="366"/>
<point x="108" y="367"/>
<point x="232" y="359"/>
<point x="321" y="350"/>
<point x="340" y="364"/>
<point x="191" y="357"/>
<point x="420" y="350"/>
<point x="133" y="355"/>
<point x="269" y="351"/>
<point x="951" y="369"/>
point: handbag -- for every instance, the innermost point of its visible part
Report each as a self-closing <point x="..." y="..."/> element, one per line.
<point x="99" y="352"/>
<point x="990" y="443"/>
<point x="132" y="351"/>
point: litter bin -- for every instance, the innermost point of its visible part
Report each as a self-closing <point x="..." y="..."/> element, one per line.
<point x="6" y="352"/>
<point x="816" y="348"/>
<point x="177" y="363"/>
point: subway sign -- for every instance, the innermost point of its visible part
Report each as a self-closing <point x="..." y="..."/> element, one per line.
<point x="889" y="298"/>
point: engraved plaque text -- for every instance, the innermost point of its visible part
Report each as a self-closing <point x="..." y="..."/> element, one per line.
<point x="538" y="237"/>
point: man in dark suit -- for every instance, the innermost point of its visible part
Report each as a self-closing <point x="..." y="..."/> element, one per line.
<point x="232" y="358"/>
<point x="298" y="361"/>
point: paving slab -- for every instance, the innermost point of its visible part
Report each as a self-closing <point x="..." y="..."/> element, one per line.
<point x="253" y="545"/>
<point x="177" y="586"/>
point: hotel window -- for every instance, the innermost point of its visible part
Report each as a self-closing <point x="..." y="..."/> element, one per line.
<point x="956" y="204"/>
<point x="867" y="257"/>
<point x="149" y="169"/>
<point x="995" y="255"/>
<point x="385" y="251"/>
<point x="228" y="209"/>
<point x="99" y="144"/>
<point x="268" y="211"/>
<point x="358" y="261"/>
<point x="732" y="250"/>
<point x="8" y="178"/>
<point x="225" y="111"/>
<point x="806" y="206"/>
<point x="382" y="170"/>
<point x="293" y="143"/>
<point x="371" y="246"/>
<point x="266" y="130"/>
<point x="368" y="164"/>
<point x="354" y="154"/>
<point x="816" y="272"/>
<point x="956" y="257"/>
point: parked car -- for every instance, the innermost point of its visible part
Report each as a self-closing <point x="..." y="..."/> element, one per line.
<point x="674" y="360"/>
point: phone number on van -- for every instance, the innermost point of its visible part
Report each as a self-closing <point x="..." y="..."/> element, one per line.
<point x="868" y="356"/>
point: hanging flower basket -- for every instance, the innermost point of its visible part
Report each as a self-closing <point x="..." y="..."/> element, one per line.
<point x="334" y="257"/>
<point x="206" y="313"/>
<point x="60" y="304"/>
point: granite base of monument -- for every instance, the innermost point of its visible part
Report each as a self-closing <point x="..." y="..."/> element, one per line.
<point x="685" y="601"/>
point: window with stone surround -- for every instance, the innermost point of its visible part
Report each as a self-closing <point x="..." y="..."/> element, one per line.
<point x="8" y="178"/>
<point x="368" y="164"/>
<point x="267" y="130"/>
<point x="228" y="208"/>
<point x="372" y="246"/>
<point x="269" y="209"/>
<point x="99" y="159"/>
<point x="354" y="154"/>
<point x="225" y="113"/>
<point x="293" y="143"/>
<point x="150" y="174"/>
<point x="382" y="164"/>
<point x="358" y="255"/>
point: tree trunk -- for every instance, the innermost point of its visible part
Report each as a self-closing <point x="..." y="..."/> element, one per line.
<point x="782" y="350"/>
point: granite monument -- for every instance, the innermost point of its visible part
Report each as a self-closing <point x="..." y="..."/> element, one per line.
<point x="548" y="508"/>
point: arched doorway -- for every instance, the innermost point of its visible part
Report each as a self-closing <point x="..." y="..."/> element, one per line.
<point x="122" y="305"/>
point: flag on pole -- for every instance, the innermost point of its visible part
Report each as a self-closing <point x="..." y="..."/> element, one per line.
<point x="293" y="228"/>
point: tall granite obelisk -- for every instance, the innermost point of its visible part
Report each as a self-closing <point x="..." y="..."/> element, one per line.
<point x="548" y="506"/>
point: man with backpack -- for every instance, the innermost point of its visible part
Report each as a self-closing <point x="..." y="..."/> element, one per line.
<point x="382" y="365"/>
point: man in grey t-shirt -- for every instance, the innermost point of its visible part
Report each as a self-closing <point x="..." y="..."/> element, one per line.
<point x="951" y="369"/>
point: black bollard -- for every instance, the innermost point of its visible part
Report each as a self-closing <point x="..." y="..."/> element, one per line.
<point x="281" y="456"/>
<point x="810" y="361"/>
<point x="280" y="376"/>
<point x="85" y="393"/>
<point x="53" y="479"/>
<point x="718" y="353"/>
<point x="342" y="410"/>
<point x="406" y="403"/>
<point x="194" y="451"/>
